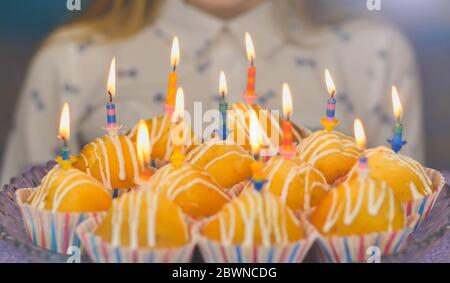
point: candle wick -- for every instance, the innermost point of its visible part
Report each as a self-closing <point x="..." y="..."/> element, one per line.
<point x="110" y="96"/>
<point x="174" y="67"/>
<point x="252" y="63"/>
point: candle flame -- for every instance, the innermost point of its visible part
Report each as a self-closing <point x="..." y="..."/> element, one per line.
<point x="396" y="103"/>
<point x="175" y="53"/>
<point x="360" y="135"/>
<point x="64" y="123"/>
<point x="223" y="89"/>
<point x="112" y="78"/>
<point x="255" y="135"/>
<point x="287" y="101"/>
<point x="250" y="47"/>
<point x="330" y="83"/>
<point x="178" y="113"/>
<point x="143" y="144"/>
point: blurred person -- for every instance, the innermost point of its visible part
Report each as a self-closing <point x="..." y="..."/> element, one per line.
<point x="365" y="58"/>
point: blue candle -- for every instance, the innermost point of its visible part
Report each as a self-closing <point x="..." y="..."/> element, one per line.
<point x="111" y="113"/>
<point x="223" y="107"/>
<point x="329" y="121"/>
<point x="397" y="141"/>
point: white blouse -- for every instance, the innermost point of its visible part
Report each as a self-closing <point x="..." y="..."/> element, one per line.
<point x="364" y="58"/>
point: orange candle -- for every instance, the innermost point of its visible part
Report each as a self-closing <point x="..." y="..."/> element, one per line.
<point x="250" y="94"/>
<point x="173" y="78"/>
<point x="286" y="149"/>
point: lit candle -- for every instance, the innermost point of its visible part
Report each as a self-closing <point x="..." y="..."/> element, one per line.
<point x="360" y="137"/>
<point x="65" y="160"/>
<point x="255" y="142"/>
<point x="250" y="94"/>
<point x="286" y="150"/>
<point x="223" y="106"/>
<point x="177" y="157"/>
<point x="143" y="150"/>
<point x="397" y="141"/>
<point x="172" y="84"/>
<point x="329" y="122"/>
<point x="111" y="114"/>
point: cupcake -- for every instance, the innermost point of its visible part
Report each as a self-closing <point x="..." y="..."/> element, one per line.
<point x="64" y="199"/>
<point x="112" y="160"/>
<point x="160" y="129"/>
<point x="141" y="226"/>
<point x="298" y="184"/>
<point x="358" y="214"/>
<point x="332" y="153"/>
<point x="239" y="122"/>
<point x="191" y="188"/>
<point x="410" y="181"/>
<point x="255" y="227"/>
<point x="228" y="163"/>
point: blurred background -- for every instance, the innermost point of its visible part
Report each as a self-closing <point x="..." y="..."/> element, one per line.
<point x="25" y="23"/>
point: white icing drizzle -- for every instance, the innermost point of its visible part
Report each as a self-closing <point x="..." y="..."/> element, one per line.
<point x="409" y="163"/>
<point x="254" y="207"/>
<point x="199" y="152"/>
<point x="73" y="179"/>
<point x="274" y="166"/>
<point x="174" y="180"/>
<point x="313" y="147"/>
<point x="103" y="159"/>
<point x="135" y="201"/>
<point x="366" y="192"/>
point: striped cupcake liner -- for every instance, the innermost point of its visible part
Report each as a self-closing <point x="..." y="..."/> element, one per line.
<point x="100" y="251"/>
<point x="361" y="248"/>
<point x="423" y="207"/>
<point x="53" y="231"/>
<point x="295" y="252"/>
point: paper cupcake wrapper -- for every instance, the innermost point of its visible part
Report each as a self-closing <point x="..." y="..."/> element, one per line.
<point x="101" y="251"/>
<point x="423" y="207"/>
<point x="54" y="231"/>
<point x="216" y="252"/>
<point x="358" y="248"/>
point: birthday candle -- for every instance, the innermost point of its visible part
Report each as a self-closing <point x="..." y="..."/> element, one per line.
<point x="397" y="141"/>
<point x="65" y="160"/>
<point x="329" y="122"/>
<point x="255" y="142"/>
<point x="111" y="113"/>
<point x="172" y="84"/>
<point x="250" y="94"/>
<point x="286" y="150"/>
<point x="143" y="150"/>
<point x="360" y="137"/>
<point x="177" y="157"/>
<point x="223" y="106"/>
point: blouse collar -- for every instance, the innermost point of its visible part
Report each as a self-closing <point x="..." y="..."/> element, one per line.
<point x="197" y="30"/>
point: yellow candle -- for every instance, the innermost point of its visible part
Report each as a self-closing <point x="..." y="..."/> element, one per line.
<point x="177" y="157"/>
<point x="173" y="78"/>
